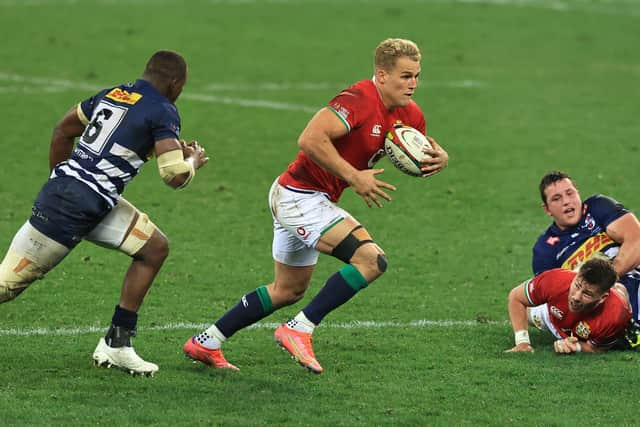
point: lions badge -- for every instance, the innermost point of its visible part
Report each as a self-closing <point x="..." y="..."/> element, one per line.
<point x="583" y="330"/>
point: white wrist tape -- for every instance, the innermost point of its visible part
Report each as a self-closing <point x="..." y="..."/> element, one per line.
<point x="522" y="337"/>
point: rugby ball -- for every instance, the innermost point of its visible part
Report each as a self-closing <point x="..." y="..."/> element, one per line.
<point x="403" y="145"/>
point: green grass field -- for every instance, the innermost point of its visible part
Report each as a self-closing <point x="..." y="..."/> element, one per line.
<point x="511" y="88"/>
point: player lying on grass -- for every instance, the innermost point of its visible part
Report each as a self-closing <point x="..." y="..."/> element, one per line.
<point x="581" y="229"/>
<point x="585" y="310"/>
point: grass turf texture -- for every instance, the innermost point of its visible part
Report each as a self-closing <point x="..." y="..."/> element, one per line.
<point x="511" y="90"/>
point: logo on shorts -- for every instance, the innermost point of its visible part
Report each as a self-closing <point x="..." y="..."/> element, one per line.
<point x="583" y="330"/>
<point x="244" y="301"/>
<point x="557" y="313"/>
<point x="302" y="232"/>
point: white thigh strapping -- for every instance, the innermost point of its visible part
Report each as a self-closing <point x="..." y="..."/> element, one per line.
<point x="31" y="244"/>
<point x="539" y="317"/>
<point x="112" y="230"/>
<point x="299" y="219"/>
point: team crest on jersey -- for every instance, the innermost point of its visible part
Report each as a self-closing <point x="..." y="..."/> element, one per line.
<point x="583" y="330"/>
<point x="552" y="240"/>
<point x="557" y="313"/>
<point x="123" y="96"/>
<point x="589" y="222"/>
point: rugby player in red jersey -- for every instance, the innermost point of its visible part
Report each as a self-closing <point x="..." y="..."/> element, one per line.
<point x="339" y="148"/>
<point x="584" y="310"/>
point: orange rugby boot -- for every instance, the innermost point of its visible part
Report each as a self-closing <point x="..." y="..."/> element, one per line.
<point x="299" y="345"/>
<point x="198" y="353"/>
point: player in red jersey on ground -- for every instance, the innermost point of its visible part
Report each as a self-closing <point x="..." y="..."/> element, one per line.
<point x="585" y="310"/>
<point x="339" y="148"/>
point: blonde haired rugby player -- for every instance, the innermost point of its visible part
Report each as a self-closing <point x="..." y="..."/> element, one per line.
<point x="119" y="129"/>
<point x="339" y="148"/>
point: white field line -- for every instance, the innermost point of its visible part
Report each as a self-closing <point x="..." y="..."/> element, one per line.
<point x="51" y="85"/>
<point x="309" y="86"/>
<point x="356" y="324"/>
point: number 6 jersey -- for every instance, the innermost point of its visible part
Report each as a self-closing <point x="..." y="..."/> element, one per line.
<point x="122" y="125"/>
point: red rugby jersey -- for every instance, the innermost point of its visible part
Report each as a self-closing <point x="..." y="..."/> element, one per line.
<point x="367" y="120"/>
<point x="600" y="327"/>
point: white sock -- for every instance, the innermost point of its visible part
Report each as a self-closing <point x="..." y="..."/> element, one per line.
<point x="211" y="338"/>
<point x="301" y="323"/>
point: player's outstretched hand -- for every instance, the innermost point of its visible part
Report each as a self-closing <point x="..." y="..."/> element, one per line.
<point x="367" y="186"/>
<point x="566" y="346"/>
<point x="195" y="151"/>
<point x="520" y="348"/>
<point x="438" y="160"/>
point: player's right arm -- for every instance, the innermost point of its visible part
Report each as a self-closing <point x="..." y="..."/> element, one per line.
<point x="316" y="140"/>
<point x="518" y="304"/>
<point x="66" y="131"/>
<point x="178" y="161"/>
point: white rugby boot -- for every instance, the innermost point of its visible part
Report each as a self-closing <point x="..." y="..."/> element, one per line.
<point x="121" y="354"/>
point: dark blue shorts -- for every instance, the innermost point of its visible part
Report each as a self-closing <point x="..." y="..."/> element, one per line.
<point x="66" y="210"/>
<point x="632" y="284"/>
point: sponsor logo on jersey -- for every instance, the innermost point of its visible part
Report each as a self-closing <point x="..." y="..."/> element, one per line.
<point x="583" y="330"/>
<point x="557" y="313"/>
<point x="552" y="240"/>
<point x="587" y="250"/>
<point x="376" y="130"/>
<point x="123" y="96"/>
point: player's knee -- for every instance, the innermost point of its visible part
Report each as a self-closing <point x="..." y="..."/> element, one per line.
<point x="16" y="274"/>
<point x="155" y="251"/>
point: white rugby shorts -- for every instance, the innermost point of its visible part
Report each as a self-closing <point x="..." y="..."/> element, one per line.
<point x="539" y="317"/>
<point x="299" y="219"/>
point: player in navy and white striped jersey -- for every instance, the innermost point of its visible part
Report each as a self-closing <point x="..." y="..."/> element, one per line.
<point x="583" y="229"/>
<point x="119" y="129"/>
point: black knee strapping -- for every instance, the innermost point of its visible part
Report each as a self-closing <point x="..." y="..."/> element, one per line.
<point x="344" y="250"/>
<point x="382" y="263"/>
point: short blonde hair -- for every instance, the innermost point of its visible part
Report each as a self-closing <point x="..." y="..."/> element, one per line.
<point x="389" y="50"/>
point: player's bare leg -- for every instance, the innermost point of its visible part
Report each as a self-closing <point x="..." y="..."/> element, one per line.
<point x="352" y="244"/>
<point x="115" y="348"/>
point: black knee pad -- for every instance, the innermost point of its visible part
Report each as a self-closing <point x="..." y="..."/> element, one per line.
<point x="382" y="263"/>
<point x="344" y="250"/>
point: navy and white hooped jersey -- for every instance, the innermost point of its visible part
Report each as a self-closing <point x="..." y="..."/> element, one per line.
<point x="123" y="124"/>
<point x="571" y="247"/>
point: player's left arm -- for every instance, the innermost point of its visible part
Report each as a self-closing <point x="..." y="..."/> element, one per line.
<point x="178" y="161"/>
<point x="438" y="159"/>
<point x="626" y="231"/>
<point x="64" y="134"/>
<point x="571" y="345"/>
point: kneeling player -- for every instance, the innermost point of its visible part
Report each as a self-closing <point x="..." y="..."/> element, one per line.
<point x="585" y="310"/>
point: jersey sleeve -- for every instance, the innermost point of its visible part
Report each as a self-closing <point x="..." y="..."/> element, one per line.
<point x="536" y="290"/>
<point x="165" y="123"/>
<point x="350" y="106"/>
<point x="86" y="107"/>
<point x="543" y="258"/>
<point x="604" y="209"/>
